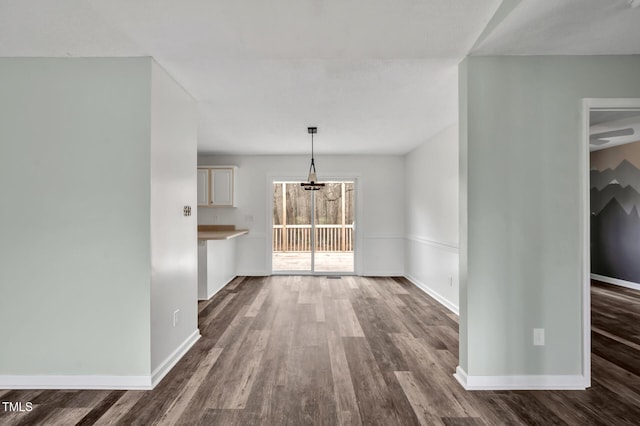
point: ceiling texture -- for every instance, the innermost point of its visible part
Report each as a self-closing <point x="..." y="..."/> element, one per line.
<point x="375" y="76"/>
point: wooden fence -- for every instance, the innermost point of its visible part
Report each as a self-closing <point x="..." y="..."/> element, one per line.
<point x="298" y="238"/>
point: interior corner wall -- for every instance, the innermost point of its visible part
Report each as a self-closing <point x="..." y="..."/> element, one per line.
<point x="524" y="230"/>
<point x="462" y="215"/>
<point x="431" y="216"/>
<point x="74" y="179"/>
<point x="173" y="236"/>
<point x="380" y="190"/>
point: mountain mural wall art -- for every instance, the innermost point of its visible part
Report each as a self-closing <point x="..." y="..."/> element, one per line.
<point x="615" y="212"/>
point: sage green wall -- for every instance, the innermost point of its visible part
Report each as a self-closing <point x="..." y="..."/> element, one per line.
<point x="74" y="179"/>
<point x="520" y="136"/>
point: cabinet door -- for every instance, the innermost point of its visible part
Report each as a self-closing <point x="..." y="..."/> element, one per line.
<point x="203" y="187"/>
<point x="222" y="187"/>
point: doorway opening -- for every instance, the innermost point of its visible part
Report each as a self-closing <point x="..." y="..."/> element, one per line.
<point x="611" y="218"/>
<point x="313" y="231"/>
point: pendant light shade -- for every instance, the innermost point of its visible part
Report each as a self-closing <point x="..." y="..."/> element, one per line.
<point x="312" y="183"/>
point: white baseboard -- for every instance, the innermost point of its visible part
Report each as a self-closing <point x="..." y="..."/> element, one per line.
<point x="527" y="382"/>
<point x="76" y="382"/>
<point x="615" y="281"/>
<point x="99" y="381"/>
<point x="166" y="366"/>
<point x="443" y="301"/>
<point x="461" y="376"/>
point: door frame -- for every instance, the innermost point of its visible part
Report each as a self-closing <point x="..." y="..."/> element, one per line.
<point x="589" y="104"/>
<point x="358" y="228"/>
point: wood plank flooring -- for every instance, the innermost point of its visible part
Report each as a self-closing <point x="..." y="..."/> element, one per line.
<point x="291" y="350"/>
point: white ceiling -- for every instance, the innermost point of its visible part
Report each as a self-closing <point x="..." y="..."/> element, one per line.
<point x="566" y="27"/>
<point x="375" y="76"/>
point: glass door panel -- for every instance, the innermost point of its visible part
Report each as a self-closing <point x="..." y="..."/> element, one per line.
<point x="292" y="248"/>
<point x="333" y="223"/>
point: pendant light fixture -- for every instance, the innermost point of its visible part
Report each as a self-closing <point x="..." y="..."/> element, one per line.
<point x="312" y="183"/>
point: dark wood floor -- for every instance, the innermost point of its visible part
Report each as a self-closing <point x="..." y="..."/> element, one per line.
<point x="371" y="351"/>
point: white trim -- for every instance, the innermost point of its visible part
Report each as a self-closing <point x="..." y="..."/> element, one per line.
<point x="76" y="382"/>
<point x="441" y="299"/>
<point x="461" y="376"/>
<point x="452" y="247"/>
<point x="589" y="104"/>
<point x="616" y="281"/>
<point x="525" y="382"/>
<point x="614" y="104"/>
<point x="584" y="221"/>
<point x="100" y="381"/>
<point x="166" y="366"/>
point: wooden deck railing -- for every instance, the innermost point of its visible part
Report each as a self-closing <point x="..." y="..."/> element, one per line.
<point x="298" y="238"/>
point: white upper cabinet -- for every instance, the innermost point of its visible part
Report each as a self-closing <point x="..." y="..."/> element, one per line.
<point x="216" y="186"/>
<point x="222" y="187"/>
<point x="203" y="187"/>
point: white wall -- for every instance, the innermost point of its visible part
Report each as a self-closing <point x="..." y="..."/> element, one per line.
<point x="173" y="236"/>
<point x="431" y="211"/>
<point x="380" y="188"/>
<point x="522" y="238"/>
<point x="74" y="179"/>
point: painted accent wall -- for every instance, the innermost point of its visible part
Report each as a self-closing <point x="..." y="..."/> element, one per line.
<point x="431" y="216"/>
<point x="615" y="207"/>
<point x="381" y="195"/>
<point x="521" y="262"/>
<point x="74" y="179"/>
<point x="89" y="204"/>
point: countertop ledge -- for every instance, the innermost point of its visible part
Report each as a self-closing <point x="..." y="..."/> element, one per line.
<point x="219" y="232"/>
<point x="221" y="235"/>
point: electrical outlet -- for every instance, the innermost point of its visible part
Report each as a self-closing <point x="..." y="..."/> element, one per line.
<point x="175" y="317"/>
<point x="248" y="218"/>
<point x="450" y="280"/>
<point x="538" y="336"/>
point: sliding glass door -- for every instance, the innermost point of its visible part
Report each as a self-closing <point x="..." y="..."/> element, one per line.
<point x="313" y="231"/>
<point x="292" y="224"/>
<point x="333" y="223"/>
